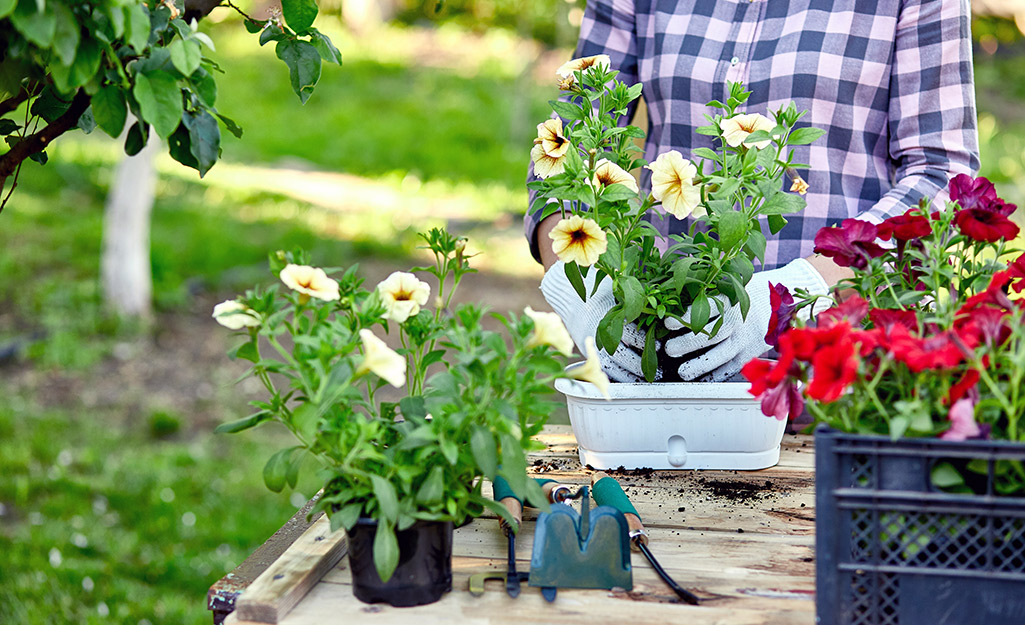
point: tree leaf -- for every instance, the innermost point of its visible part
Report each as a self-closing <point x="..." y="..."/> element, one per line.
<point x="160" y="101"/>
<point x="386" y="549"/>
<point x="325" y="47"/>
<point x="67" y="33"/>
<point x="110" y="110"/>
<point x="137" y="26"/>
<point x="387" y="500"/>
<point x="137" y="137"/>
<point x="299" y="14"/>
<point x="6" y="6"/>
<point x="179" y="145"/>
<point x="38" y="26"/>
<point x="204" y="139"/>
<point x="230" y="124"/>
<point x="303" y="63"/>
<point x="185" y="55"/>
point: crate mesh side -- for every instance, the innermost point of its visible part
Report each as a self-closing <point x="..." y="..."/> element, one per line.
<point x="871" y="599"/>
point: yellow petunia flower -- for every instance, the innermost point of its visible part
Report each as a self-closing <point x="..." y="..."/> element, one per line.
<point x="566" y="70"/>
<point x="550" y="138"/>
<point x="403" y="295"/>
<point x="672" y="183"/>
<point x="590" y="370"/>
<point x="608" y="173"/>
<point x="799" y="186"/>
<point x="546" y="166"/>
<point x="736" y="129"/>
<point x="578" y="240"/>
<point x="235" y="315"/>
<point x="311" y="281"/>
<point x="381" y="360"/>
<point x="549" y="330"/>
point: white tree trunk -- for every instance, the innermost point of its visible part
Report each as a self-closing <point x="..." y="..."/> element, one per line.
<point x="125" y="263"/>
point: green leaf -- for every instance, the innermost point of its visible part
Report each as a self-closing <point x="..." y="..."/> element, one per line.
<point x="82" y="70"/>
<point x="742" y="297"/>
<point x="275" y="471"/>
<point x="185" y="55"/>
<point x="573" y="275"/>
<point x="482" y="446"/>
<point x="160" y="101"/>
<point x="700" y="311"/>
<point x="38" y="26"/>
<point x="179" y="145"/>
<point x="649" y="358"/>
<point x="67" y="34"/>
<point x="776" y="223"/>
<point x="7" y="126"/>
<point x="756" y="244"/>
<point x="230" y="124"/>
<point x="610" y="330"/>
<point x="204" y="86"/>
<point x="204" y="139"/>
<point x="633" y="298"/>
<point x="346" y="517"/>
<point x="433" y="487"/>
<point x="137" y="26"/>
<point x="306" y="419"/>
<point x="303" y="63"/>
<point x="781" y="202"/>
<point x="566" y="110"/>
<point x="110" y="110"/>
<point x="325" y="47"/>
<point x="299" y="14"/>
<point x="6" y="6"/>
<point x="386" y="550"/>
<point x="803" y="136"/>
<point x="246" y="351"/>
<point x="898" y="425"/>
<point x="946" y="477"/>
<point x="732" y="228"/>
<point x="245" y="423"/>
<point x="387" y="500"/>
<point x="705" y="153"/>
<point x="137" y="137"/>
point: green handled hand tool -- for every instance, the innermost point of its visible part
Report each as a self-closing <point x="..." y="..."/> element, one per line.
<point x="607" y="492"/>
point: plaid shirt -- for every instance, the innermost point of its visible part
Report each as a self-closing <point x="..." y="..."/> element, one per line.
<point x="889" y="80"/>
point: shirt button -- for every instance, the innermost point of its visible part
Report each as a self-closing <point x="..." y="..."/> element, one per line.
<point x="734" y="61"/>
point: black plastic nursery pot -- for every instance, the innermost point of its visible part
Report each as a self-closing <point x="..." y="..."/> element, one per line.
<point x="424" y="572"/>
<point x="892" y="549"/>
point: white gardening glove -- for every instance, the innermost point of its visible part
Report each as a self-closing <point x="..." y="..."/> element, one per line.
<point x="582" y="317"/>
<point x="739" y="340"/>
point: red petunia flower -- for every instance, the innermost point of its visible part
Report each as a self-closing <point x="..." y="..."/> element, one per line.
<point x="886" y="318"/>
<point x="783" y="308"/>
<point x="1017" y="269"/>
<point x="963" y="387"/>
<point x="910" y="225"/>
<point x="852" y="310"/>
<point x="833" y="369"/>
<point x="978" y="193"/>
<point x="935" y="352"/>
<point x="783" y="402"/>
<point x="983" y="225"/>
<point x="851" y="244"/>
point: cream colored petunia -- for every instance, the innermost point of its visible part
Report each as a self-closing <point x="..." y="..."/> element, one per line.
<point x="380" y="359"/>
<point x="579" y="240"/>
<point x="549" y="330"/>
<point x="310" y="281"/>
<point x="579" y="65"/>
<point x="608" y="173"/>
<point x="736" y="129"/>
<point x="546" y="166"/>
<point x="403" y="295"/>
<point x="799" y="186"/>
<point x="590" y="370"/>
<point x="672" y="183"/>
<point x="551" y="139"/>
<point x="235" y="315"/>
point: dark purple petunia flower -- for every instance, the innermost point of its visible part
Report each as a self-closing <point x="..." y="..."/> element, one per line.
<point x="978" y="193"/>
<point x="783" y="307"/>
<point x="850" y="244"/>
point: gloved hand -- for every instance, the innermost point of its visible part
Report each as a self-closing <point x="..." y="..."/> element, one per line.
<point x="582" y="317"/>
<point x="739" y="340"/>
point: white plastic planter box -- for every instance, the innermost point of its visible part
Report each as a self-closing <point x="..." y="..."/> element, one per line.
<point x="686" y="425"/>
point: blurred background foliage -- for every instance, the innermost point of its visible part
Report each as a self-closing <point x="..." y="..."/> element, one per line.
<point x="117" y="503"/>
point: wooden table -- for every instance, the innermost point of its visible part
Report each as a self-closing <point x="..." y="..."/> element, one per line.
<point x="741" y="540"/>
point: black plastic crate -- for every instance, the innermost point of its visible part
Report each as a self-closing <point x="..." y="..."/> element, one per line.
<point x="893" y="550"/>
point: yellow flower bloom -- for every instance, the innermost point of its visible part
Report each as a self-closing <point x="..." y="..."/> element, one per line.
<point x="579" y="65"/>
<point x="403" y="295"/>
<point x="736" y="129"/>
<point x="799" y="186"/>
<point x="608" y="173"/>
<point x="235" y="315"/>
<point x="672" y="183"/>
<point x="549" y="330"/>
<point x="380" y="359"/>
<point x="590" y="370"/>
<point x="544" y="165"/>
<point x="310" y="281"/>
<point x="550" y="138"/>
<point x="578" y="239"/>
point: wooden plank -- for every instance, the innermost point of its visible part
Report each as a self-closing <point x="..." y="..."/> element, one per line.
<point x="276" y="591"/>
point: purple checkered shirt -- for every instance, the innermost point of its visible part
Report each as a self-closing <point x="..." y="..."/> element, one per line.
<point x="889" y="80"/>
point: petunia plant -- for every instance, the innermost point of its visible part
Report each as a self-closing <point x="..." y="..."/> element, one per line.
<point x="584" y="159"/>
<point x="472" y="397"/>
<point x="928" y="337"/>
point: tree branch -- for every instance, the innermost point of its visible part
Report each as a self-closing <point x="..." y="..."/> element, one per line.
<point x="35" y="143"/>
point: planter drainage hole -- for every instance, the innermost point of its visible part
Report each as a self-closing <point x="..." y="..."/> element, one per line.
<point x="677" y="451"/>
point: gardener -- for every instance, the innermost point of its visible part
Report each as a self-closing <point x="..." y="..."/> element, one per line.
<point x="889" y="81"/>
